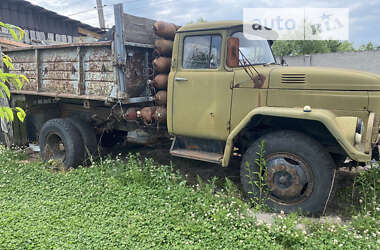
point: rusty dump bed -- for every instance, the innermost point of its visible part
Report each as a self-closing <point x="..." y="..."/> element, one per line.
<point x="81" y="71"/>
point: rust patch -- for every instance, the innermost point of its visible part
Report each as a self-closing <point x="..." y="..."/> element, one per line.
<point x="258" y="81"/>
<point x="60" y="86"/>
<point x="99" y="88"/>
<point x="192" y="147"/>
<point x="135" y="78"/>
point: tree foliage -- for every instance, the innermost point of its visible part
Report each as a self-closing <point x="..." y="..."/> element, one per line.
<point x="369" y="46"/>
<point x="7" y="79"/>
<point x="199" y="20"/>
<point x="300" y="47"/>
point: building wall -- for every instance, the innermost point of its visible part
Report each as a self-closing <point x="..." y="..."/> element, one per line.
<point x="364" y="60"/>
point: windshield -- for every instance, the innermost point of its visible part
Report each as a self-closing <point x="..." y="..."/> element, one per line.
<point x="256" y="51"/>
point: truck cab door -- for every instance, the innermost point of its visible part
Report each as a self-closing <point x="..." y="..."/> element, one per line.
<point x="201" y="87"/>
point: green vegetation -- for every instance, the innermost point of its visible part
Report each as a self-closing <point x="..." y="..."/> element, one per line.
<point x="7" y="79"/>
<point x="300" y="47"/>
<point x="258" y="202"/>
<point x="139" y="205"/>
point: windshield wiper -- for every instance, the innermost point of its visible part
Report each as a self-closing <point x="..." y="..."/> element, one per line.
<point x="259" y="79"/>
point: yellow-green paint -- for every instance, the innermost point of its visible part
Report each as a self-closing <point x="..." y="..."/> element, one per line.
<point x="201" y="104"/>
<point x="334" y="124"/>
<point x="319" y="78"/>
<point x="326" y="99"/>
<point x="219" y="103"/>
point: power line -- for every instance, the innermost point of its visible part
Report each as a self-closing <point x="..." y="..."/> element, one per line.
<point x="139" y="7"/>
<point x="83" y="11"/>
<point x="105" y="15"/>
<point x="88" y="10"/>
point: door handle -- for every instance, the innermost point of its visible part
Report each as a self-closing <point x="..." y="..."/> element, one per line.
<point x="180" y="79"/>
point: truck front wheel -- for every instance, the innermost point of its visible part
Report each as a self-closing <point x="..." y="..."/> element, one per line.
<point x="296" y="175"/>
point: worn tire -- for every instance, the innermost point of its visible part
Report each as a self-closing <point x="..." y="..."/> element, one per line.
<point x="300" y="183"/>
<point x="57" y="133"/>
<point x="88" y="135"/>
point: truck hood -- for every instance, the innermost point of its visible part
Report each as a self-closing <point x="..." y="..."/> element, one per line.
<point x="323" y="78"/>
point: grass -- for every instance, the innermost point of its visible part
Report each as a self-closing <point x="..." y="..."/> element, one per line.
<point x="139" y="205"/>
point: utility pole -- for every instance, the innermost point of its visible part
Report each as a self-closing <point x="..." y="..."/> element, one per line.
<point x="99" y="6"/>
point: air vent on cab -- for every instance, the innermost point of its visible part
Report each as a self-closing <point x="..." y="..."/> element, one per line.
<point x="293" y="78"/>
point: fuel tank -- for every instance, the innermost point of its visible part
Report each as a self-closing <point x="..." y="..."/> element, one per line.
<point x="165" y="30"/>
<point x="160" y="81"/>
<point x="163" y="47"/>
<point x="161" y="97"/>
<point x="160" y="114"/>
<point x="162" y="64"/>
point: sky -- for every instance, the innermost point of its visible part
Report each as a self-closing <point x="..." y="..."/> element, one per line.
<point x="364" y="15"/>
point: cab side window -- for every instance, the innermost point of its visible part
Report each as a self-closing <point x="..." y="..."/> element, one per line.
<point x="202" y="52"/>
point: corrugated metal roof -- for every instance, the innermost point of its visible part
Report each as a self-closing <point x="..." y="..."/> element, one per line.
<point x="32" y="17"/>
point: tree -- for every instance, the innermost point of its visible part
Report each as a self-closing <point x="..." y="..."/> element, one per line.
<point x="346" y="47"/>
<point x="199" y="20"/>
<point x="368" y="46"/>
<point x="304" y="47"/>
<point x="7" y="79"/>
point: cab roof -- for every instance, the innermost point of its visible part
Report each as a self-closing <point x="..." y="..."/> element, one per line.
<point x="210" y="25"/>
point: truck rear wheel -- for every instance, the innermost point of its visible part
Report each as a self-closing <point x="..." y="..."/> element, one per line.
<point x="297" y="175"/>
<point x="60" y="140"/>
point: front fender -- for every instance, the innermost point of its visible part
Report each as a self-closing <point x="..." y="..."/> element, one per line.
<point x="341" y="128"/>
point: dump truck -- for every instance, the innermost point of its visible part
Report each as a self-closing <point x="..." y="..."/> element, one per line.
<point x="224" y="97"/>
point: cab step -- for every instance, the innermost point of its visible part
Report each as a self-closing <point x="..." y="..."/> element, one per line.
<point x="198" y="155"/>
<point x="198" y="149"/>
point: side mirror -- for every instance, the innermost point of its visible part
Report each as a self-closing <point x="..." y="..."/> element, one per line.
<point x="233" y="52"/>
<point x="283" y="62"/>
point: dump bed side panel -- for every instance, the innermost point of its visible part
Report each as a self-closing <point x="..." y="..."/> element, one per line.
<point x="83" y="71"/>
<point x="108" y="70"/>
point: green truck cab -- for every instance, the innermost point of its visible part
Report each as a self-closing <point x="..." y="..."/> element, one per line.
<point x="227" y="97"/>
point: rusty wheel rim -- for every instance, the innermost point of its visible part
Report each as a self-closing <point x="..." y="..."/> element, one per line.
<point x="55" y="148"/>
<point x="289" y="178"/>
